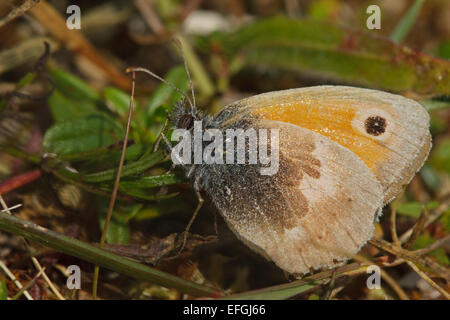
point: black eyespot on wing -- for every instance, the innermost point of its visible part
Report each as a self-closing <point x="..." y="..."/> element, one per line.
<point x="375" y="125"/>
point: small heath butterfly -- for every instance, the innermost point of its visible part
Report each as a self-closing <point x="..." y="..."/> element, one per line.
<point x="343" y="153"/>
<point x="338" y="154"/>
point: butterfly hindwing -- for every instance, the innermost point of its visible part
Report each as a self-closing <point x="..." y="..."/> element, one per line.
<point x="318" y="209"/>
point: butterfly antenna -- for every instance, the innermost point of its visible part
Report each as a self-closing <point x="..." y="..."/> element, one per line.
<point x="191" y="85"/>
<point x="134" y="69"/>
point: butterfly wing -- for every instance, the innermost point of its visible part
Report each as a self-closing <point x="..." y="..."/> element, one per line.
<point x="388" y="132"/>
<point x="318" y="209"/>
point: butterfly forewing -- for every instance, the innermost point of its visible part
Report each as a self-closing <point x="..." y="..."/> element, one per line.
<point x="388" y="132"/>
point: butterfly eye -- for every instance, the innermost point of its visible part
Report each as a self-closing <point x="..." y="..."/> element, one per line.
<point x="375" y="125"/>
<point x="186" y="121"/>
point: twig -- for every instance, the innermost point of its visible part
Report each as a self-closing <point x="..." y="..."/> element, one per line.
<point x="431" y="218"/>
<point x="11" y="208"/>
<point x="330" y="286"/>
<point x="149" y="15"/>
<point x="29" y="284"/>
<point x="417" y="229"/>
<point x="18" y="11"/>
<point x="33" y="259"/>
<point x="411" y="256"/>
<point x="292" y="8"/>
<point x="14" y="279"/>
<point x="386" y="277"/>
<point x="393" y="284"/>
<point x="433" y="246"/>
<point x="19" y="181"/>
<point x="38" y="266"/>
<point x="116" y="186"/>
<point x="394" y="222"/>
<point x="394" y="263"/>
<point x="428" y="280"/>
<point x="160" y="33"/>
<point x="76" y="42"/>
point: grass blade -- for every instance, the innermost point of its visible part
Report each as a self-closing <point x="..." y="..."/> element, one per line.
<point x="98" y="256"/>
<point x="281" y="292"/>
<point x="404" y="26"/>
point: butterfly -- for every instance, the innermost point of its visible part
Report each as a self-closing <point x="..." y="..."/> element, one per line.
<point x="344" y="153"/>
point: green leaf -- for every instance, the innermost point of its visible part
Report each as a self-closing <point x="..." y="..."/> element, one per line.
<point x="413" y="209"/>
<point x="445" y="219"/>
<point x="82" y="134"/>
<point x="3" y="289"/>
<point x="433" y="105"/>
<point x="323" y="9"/>
<point x="440" y="158"/>
<point x="118" y="228"/>
<point x="404" y="26"/>
<point x="118" y="100"/>
<point x="165" y="95"/>
<point x="331" y="51"/>
<point x="63" y="108"/>
<point x="313" y="297"/>
<point x="441" y="255"/>
<point x="426" y="240"/>
<point x="145" y="195"/>
<point x="151" y="181"/>
<point x="108" y="154"/>
<point x="444" y="50"/>
<point x="137" y="188"/>
<point x="430" y="177"/>
<point x="437" y="124"/>
<point x="118" y="233"/>
<point x="136" y="167"/>
<point x="72" y="86"/>
<point x="166" y="206"/>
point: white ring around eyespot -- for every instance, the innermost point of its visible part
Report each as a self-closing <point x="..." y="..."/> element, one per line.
<point x="359" y="120"/>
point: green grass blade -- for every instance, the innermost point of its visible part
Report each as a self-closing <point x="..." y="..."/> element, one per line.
<point x="72" y="86"/>
<point x="405" y="24"/>
<point x="64" y="109"/>
<point x="130" y="169"/>
<point x="82" y="134"/>
<point x="164" y="95"/>
<point x="281" y="292"/>
<point x="3" y="289"/>
<point x="151" y="181"/>
<point x="98" y="256"/>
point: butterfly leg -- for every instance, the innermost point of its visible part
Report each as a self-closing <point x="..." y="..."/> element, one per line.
<point x="197" y="210"/>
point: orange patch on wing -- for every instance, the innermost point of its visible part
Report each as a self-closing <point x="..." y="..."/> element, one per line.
<point x="330" y="121"/>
